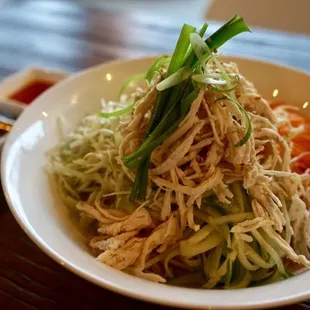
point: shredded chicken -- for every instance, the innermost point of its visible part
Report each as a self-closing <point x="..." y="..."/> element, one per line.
<point x="124" y="256"/>
<point x="164" y="235"/>
<point x="205" y="188"/>
<point x="112" y="243"/>
<point x="137" y="220"/>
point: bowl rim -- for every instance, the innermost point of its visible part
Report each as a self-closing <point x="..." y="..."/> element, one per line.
<point x="29" y="230"/>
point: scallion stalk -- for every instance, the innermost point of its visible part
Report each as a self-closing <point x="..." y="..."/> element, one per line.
<point x="118" y="113"/>
<point x="132" y="79"/>
<point x="233" y="27"/>
<point x="190" y="55"/>
<point x="248" y="119"/>
<point x="159" y="62"/>
<point x="180" y="49"/>
<point x="174" y="79"/>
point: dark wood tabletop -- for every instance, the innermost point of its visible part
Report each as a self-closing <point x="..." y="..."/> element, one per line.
<point x="68" y="35"/>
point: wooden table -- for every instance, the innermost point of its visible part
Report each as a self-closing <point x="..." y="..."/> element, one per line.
<point x="68" y="36"/>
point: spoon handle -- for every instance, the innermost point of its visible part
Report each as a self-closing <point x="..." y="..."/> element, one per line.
<point x="6" y="124"/>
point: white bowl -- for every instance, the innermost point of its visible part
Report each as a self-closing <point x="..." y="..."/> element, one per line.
<point x="48" y="224"/>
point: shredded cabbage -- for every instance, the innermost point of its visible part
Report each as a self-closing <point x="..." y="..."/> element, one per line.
<point x="85" y="164"/>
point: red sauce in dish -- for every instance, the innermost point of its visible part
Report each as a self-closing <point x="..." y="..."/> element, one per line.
<point x="30" y="91"/>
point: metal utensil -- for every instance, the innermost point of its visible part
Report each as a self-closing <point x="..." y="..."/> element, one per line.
<point x="305" y="304"/>
<point x="6" y="124"/>
<point x="9" y="112"/>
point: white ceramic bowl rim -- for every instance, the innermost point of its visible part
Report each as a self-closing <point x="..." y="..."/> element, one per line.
<point x="284" y="292"/>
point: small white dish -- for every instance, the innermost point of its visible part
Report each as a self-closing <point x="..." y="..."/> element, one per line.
<point x="17" y="81"/>
<point x="11" y="110"/>
<point x="47" y="222"/>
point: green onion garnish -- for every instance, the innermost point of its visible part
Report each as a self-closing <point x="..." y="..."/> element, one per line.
<point x="134" y="78"/>
<point x="230" y="29"/>
<point x="156" y="65"/>
<point x="223" y="90"/>
<point x="248" y="119"/>
<point x="118" y="113"/>
<point x="174" y="79"/>
<point x="140" y="184"/>
<point x="208" y="78"/>
<point x="190" y="55"/>
<point x="181" y="49"/>
<point x="177" y="92"/>
<point x="233" y="27"/>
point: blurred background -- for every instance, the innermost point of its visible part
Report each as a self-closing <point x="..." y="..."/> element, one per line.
<point x="283" y="15"/>
<point x="70" y="35"/>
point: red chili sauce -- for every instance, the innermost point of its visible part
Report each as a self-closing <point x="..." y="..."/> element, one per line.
<point x="31" y="90"/>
